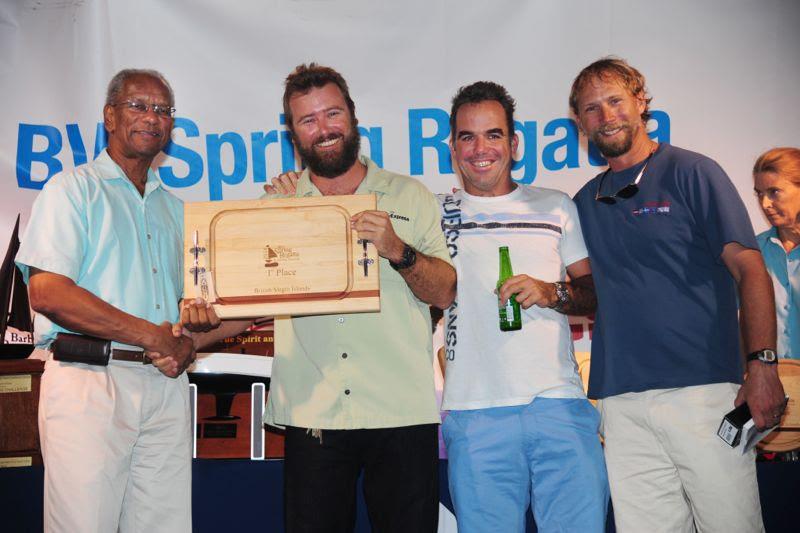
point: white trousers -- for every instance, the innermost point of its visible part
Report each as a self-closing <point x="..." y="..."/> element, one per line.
<point x="667" y="469"/>
<point x="116" y="445"/>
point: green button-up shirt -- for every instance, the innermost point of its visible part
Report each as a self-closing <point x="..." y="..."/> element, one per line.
<point x="364" y="370"/>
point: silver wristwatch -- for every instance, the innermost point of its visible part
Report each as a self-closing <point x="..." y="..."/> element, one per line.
<point x="765" y="356"/>
<point x="562" y="296"/>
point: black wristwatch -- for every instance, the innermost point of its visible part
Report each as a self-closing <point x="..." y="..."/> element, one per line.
<point x="765" y="356"/>
<point x="562" y="296"/>
<point x="408" y="259"/>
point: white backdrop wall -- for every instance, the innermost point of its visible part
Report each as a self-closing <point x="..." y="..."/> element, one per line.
<point x="724" y="76"/>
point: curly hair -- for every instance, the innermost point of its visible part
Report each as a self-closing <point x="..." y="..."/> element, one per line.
<point x="613" y="68"/>
<point x="310" y="76"/>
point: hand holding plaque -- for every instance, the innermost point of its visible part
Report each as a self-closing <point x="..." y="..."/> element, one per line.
<point x="786" y="436"/>
<point x="276" y="257"/>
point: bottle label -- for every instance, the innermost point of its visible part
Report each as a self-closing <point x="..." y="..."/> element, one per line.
<point x="509" y="311"/>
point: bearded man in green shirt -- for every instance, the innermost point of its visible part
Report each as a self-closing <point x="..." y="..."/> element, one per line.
<point x="355" y="392"/>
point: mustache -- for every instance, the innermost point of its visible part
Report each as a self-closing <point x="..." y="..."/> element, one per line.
<point x="326" y="138"/>
<point x="607" y="129"/>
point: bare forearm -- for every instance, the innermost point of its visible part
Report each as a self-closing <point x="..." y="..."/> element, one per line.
<point x="756" y="296"/>
<point x="582" y="298"/>
<point x="757" y="311"/>
<point x="431" y="280"/>
<point x="228" y="328"/>
<point x="762" y="389"/>
<point x="77" y="309"/>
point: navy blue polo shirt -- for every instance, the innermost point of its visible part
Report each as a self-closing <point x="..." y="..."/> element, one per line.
<point x="667" y="311"/>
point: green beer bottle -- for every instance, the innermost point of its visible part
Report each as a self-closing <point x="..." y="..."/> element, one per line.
<point x="510" y="313"/>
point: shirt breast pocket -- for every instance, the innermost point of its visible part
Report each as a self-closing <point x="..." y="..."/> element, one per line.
<point x="167" y="244"/>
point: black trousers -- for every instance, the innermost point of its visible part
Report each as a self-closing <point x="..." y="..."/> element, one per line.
<point x="401" y="479"/>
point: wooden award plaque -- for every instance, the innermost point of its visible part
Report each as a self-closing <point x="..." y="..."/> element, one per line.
<point x="786" y="437"/>
<point x="279" y="257"/>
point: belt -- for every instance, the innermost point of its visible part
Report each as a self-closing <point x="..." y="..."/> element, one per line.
<point x="134" y="356"/>
<point x="74" y="348"/>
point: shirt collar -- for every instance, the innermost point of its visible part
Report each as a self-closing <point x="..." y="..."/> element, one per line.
<point x="110" y="170"/>
<point x="372" y="182"/>
<point x="773" y="232"/>
<point x="772" y="236"/>
<point x="774" y="241"/>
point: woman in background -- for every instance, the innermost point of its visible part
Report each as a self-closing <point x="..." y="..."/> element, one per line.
<point x="777" y="185"/>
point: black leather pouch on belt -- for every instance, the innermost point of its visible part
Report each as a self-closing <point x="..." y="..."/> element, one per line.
<point x="72" y="348"/>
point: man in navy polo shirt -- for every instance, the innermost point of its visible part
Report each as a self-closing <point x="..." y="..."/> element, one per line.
<point x="670" y="244"/>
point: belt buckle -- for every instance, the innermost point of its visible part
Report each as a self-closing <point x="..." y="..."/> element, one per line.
<point x="132" y="356"/>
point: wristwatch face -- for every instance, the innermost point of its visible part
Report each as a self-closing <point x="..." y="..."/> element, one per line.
<point x="768" y="356"/>
<point x="562" y="294"/>
<point x="409" y="258"/>
<point x="765" y="356"/>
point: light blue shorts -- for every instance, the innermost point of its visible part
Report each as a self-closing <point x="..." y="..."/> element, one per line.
<point x="547" y="453"/>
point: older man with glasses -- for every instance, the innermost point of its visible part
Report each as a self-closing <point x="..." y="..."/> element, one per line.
<point x="102" y="257"/>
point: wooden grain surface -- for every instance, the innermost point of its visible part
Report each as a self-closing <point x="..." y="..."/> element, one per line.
<point x="787" y="436"/>
<point x="277" y="257"/>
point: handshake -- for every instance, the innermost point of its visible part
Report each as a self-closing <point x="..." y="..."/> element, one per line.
<point x="172" y="347"/>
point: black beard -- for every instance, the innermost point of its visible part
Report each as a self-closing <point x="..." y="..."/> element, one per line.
<point x="613" y="149"/>
<point x="332" y="165"/>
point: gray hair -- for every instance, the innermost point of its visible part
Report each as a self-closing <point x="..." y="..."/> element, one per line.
<point x="118" y="82"/>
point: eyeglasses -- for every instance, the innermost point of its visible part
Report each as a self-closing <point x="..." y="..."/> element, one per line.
<point x="141" y="108"/>
<point x="628" y="191"/>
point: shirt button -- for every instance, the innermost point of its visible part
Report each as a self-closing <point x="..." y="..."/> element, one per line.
<point x="149" y="236"/>
<point x="347" y="391"/>
<point x="158" y="306"/>
<point x="340" y="320"/>
<point x="155" y="270"/>
<point x="344" y="355"/>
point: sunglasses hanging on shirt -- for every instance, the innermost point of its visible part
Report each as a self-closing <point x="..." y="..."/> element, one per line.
<point x="628" y="191"/>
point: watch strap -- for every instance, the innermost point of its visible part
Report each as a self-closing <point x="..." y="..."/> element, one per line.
<point x="408" y="259"/>
<point x="765" y="356"/>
